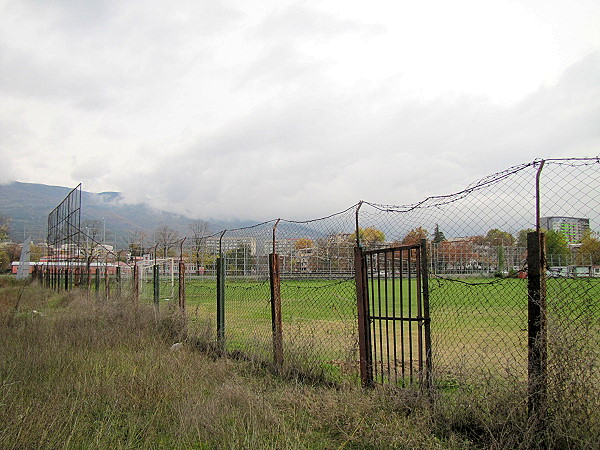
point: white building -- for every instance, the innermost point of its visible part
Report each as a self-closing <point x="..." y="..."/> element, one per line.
<point x="572" y="228"/>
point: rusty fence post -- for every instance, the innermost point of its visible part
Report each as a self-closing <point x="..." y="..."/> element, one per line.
<point x="276" y="322"/>
<point x="118" y="281"/>
<point x="181" y="278"/>
<point x="364" y="328"/>
<point x="426" y="318"/>
<point x="182" y="286"/>
<point x="156" y="278"/>
<point x="537" y="337"/>
<point x="221" y="303"/>
<point x="106" y="280"/>
<point x="136" y="282"/>
<point x="88" y="275"/>
<point x="97" y="279"/>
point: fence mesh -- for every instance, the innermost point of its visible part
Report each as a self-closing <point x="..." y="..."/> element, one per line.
<point x="247" y="290"/>
<point x="318" y="293"/>
<point x="476" y="252"/>
<point x="570" y="210"/>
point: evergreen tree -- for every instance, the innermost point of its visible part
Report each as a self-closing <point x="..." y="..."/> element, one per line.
<point x="438" y="236"/>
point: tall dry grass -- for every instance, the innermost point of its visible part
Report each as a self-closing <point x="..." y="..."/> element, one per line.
<point x="84" y="372"/>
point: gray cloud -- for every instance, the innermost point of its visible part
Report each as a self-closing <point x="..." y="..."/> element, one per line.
<point x="310" y="156"/>
<point x="228" y="110"/>
<point x="298" y="21"/>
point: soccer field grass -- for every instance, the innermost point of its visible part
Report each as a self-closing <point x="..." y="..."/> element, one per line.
<point x="477" y="324"/>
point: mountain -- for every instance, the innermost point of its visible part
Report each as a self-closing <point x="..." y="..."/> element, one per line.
<point x="28" y="204"/>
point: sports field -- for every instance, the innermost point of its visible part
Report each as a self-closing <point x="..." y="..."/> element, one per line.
<point x="478" y="325"/>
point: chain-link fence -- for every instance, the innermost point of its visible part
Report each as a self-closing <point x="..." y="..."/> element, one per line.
<point x="299" y="308"/>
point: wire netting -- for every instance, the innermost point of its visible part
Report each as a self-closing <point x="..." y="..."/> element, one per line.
<point x="318" y="293"/>
<point x="570" y="208"/>
<point x="478" y="313"/>
<point x="247" y="290"/>
<point x="477" y="264"/>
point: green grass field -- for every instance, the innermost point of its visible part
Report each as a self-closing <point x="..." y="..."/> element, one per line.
<point x="477" y="325"/>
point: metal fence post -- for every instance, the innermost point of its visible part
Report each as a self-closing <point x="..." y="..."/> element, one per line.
<point x="88" y="275"/>
<point x="156" y="278"/>
<point x="181" y="278"/>
<point x="106" y="280"/>
<point x="537" y="339"/>
<point x="118" y="280"/>
<point x="276" y="310"/>
<point x="182" y="286"/>
<point x="136" y="282"/>
<point x="426" y="317"/>
<point x="364" y="330"/>
<point x="221" y="303"/>
<point x="97" y="279"/>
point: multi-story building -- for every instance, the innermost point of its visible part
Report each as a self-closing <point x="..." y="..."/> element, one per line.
<point x="572" y="228"/>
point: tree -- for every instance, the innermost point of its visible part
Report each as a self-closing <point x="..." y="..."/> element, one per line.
<point x="91" y="240"/>
<point x="368" y="236"/>
<point x="456" y="255"/>
<point x="135" y="242"/>
<point x="557" y="248"/>
<point x="414" y="236"/>
<point x="199" y="230"/>
<point x="8" y="253"/>
<point x="4" y="227"/>
<point x="498" y="237"/>
<point x="589" y="252"/>
<point x="92" y="231"/>
<point x="240" y="260"/>
<point x="166" y="238"/>
<point x="522" y="239"/>
<point x="4" y="260"/>
<point x="334" y="253"/>
<point x="303" y="243"/>
<point x="438" y="236"/>
<point x="35" y="252"/>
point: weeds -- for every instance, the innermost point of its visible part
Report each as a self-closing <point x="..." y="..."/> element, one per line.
<point x="91" y="373"/>
<point x="84" y="372"/>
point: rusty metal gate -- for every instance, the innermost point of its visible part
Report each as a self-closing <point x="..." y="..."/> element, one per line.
<point x="393" y="315"/>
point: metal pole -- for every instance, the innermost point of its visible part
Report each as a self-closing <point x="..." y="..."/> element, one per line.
<point x="357" y="228"/>
<point x="426" y="317"/>
<point x="537" y="331"/>
<point x="118" y="279"/>
<point x="136" y="282"/>
<point x="172" y="277"/>
<point x="364" y="330"/>
<point x="181" y="277"/>
<point x="221" y="303"/>
<point x="276" y="322"/>
<point x="274" y="231"/>
<point x="537" y="196"/>
<point x="156" y="277"/>
<point x="106" y="278"/>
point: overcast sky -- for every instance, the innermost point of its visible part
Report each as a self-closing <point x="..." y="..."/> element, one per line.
<point x="293" y="109"/>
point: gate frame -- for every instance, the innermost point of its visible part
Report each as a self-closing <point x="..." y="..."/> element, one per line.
<point x="365" y="320"/>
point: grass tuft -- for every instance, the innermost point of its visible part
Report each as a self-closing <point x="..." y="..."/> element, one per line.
<point x="84" y="372"/>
